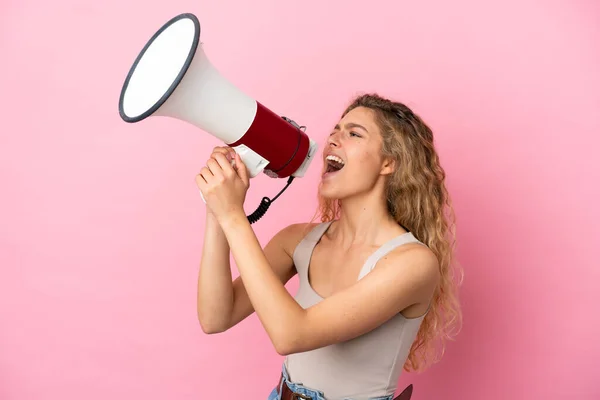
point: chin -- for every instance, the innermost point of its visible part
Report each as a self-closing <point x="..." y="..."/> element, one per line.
<point x="328" y="195"/>
<point x="327" y="192"/>
<point x="341" y="190"/>
<point x="331" y="192"/>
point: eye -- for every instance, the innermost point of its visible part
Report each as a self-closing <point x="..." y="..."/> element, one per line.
<point x="354" y="134"/>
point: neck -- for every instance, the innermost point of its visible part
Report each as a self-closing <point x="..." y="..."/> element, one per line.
<point x="364" y="220"/>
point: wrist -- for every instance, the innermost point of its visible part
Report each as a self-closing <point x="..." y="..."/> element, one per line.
<point x="233" y="219"/>
<point x="212" y="221"/>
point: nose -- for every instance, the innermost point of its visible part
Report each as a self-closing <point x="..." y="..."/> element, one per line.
<point x="333" y="140"/>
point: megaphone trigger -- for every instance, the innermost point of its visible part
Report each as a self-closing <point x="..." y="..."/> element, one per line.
<point x="254" y="163"/>
<point x="173" y="77"/>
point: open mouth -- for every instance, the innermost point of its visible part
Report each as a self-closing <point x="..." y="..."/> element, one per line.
<point x="334" y="164"/>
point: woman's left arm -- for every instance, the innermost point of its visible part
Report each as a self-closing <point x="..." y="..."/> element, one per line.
<point x="402" y="278"/>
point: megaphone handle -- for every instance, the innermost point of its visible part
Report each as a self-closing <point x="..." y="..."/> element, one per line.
<point x="254" y="163"/>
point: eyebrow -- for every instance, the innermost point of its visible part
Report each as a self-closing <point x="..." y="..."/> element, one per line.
<point x="350" y="125"/>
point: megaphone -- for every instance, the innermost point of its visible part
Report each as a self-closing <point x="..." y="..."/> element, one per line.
<point x="173" y="77"/>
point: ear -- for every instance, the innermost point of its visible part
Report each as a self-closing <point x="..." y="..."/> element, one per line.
<point x="388" y="166"/>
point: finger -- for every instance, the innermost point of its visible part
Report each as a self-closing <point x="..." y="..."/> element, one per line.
<point x="214" y="167"/>
<point x="200" y="181"/>
<point x="225" y="150"/>
<point x="222" y="148"/>
<point x="206" y="175"/>
<point x="241" y="169"/>
<point x="225" y="164"/>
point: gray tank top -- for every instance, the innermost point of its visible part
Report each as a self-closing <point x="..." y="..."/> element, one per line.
<point x="367" y="366"/>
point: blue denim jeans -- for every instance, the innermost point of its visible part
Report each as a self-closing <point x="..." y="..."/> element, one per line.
<point x="312" y="393"/>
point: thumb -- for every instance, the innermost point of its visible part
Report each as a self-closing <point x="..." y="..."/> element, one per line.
<point x="241" y="169"/>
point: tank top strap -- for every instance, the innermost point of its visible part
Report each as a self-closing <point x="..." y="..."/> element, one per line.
<point x="315" y="234"/>
<point x="304" y="249"/>
<point x="385" y="249"/>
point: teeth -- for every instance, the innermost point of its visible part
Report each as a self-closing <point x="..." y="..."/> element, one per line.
<point x="336" y="159"/>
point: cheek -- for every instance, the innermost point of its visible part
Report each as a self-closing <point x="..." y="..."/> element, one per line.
<point x="368" y="161"/>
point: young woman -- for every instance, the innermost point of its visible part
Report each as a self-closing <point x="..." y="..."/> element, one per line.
<point x="376" y="280"/>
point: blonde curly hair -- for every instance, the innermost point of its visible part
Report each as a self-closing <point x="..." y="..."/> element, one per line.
<point x="418" y="200"/>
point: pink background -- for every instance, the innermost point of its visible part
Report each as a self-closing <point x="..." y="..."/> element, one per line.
<point x="101" y="224"/>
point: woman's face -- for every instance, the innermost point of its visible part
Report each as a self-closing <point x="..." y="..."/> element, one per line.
<point x="352" y="156"/>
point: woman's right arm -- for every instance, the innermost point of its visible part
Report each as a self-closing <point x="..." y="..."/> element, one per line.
<point x="215" y="291"/>
<point x="221" y="303"/>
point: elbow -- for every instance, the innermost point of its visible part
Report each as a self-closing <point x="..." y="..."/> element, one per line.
<point x="283" y="349"/>
<point x="211" y="327"/>
<point x="211" y="330"/>
<point x="286" y="344"/>
<point x="291" y="337"/>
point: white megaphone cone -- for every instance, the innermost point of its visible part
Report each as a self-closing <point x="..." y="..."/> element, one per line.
<point x="173" y="77"/>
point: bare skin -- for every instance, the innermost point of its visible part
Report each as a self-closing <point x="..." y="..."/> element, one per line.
<point x="223" y="303"/>
<point x="402" y="282"/>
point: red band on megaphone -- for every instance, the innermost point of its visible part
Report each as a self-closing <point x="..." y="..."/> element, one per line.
<point x="278" y="141"/>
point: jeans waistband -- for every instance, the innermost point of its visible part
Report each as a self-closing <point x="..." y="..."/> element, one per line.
<point x="312" y="394"/>
<point x="299" y="388"/>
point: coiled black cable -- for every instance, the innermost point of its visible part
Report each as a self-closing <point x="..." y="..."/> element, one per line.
<point x="266" y="203"/>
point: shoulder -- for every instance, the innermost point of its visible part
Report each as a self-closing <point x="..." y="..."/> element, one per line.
<point x="290" y="236"/>
<point x="414" y="263"/>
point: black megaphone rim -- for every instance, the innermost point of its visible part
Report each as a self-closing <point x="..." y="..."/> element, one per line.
<point x="176" y="81"/>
